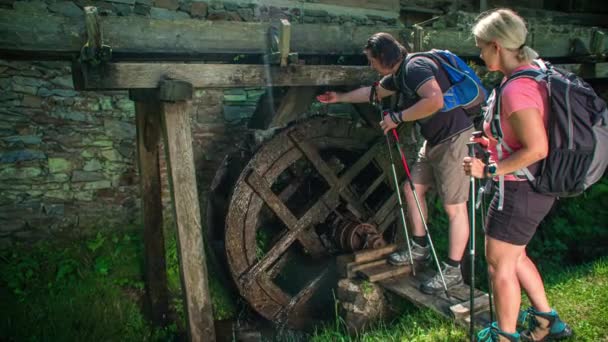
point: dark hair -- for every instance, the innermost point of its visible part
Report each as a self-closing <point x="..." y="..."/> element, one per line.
<point x="385" y="48"/>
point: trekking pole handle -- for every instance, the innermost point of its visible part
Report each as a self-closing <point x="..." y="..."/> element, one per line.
<point x="471" y="146"/>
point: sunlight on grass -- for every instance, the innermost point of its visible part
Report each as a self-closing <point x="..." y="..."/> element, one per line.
<point x="579" y="294"/>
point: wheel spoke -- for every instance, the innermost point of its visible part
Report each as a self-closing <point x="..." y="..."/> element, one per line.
<point x="307" y="238"/>
<point x="314" y="215"/>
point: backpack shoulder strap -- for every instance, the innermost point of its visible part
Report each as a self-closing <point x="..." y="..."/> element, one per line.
<point x="535" y="74"/>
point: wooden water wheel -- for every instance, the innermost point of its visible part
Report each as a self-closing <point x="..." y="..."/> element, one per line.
<point x="317" y="189"/>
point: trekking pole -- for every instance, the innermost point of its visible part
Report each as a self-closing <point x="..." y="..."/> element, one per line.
<point x="471" y="146"/>
<point x="426" y="228"/>
<point x="481" y="195"/>
<point x="401" y="211"/>
<point x="376" y="103"/>
<point x="483" y="225"/>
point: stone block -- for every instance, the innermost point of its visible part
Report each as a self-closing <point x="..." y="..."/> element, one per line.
<point x="66" y="8"/>
<point x="30" y="6"/>
<point x="123" y="10"/>
<point x="168" y="4"/>
<point x="86" y="176"/>
<point x="119" y="129"/>
<point x="141" y="10"/>
<point x="59" y="194"/>
<point x="111" y="155"/>
<point x="198" y="9"/>
<point x="103" y="184"/>
<point x="92" y="165"/>
<point x="86" y="196"/>
<point x="21" y="155"/>
<point x="217" y="15"/>
<point x="125" y="105"/>
<point x="235" y="95"/>
<point x="165" y="14"/>
<point x="126" y="2"/>
<point x="57" y="165"/>
<point x="232" y="113"/>
<point x="20" y="173"/>
<point x="246" y="14"/>
<point x="31" y="101"/>
<point x="23" y="139"/>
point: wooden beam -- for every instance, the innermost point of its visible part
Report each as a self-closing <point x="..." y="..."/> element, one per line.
<point x="147" y="112"/>
<point x="147" y="75"/>
<point x="48" y="33"/>
<point x="176" y="113"/>
<point x="43" y="33"/>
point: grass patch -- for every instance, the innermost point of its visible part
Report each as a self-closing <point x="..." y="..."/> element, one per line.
<point x="90" y="290"/>
<point x="580" y="295"/>
<point x="82" y="291"/>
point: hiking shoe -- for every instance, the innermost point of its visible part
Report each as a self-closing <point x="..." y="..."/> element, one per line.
<point x="545" y="326"/>
<point x="419" y="254"/>
<point x="451" y="275"/>
<point x="493" y="334"/>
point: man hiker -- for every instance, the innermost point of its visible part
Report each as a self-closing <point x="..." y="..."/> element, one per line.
<point x="422" y="82"/>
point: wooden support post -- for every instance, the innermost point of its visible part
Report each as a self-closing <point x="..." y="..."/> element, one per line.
<point x="284" y="41"/>
<point x="94" y="34"/>
<point x="483" y="5"/>
<point x="418" y="38"/>
<point x="94" y="51"/>
<point x="176" y="111"/>
<point x="147" y="112"/>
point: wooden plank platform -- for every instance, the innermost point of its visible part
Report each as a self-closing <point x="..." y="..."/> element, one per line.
<point x="455" y="307"/>
<point x="372" y="265"/>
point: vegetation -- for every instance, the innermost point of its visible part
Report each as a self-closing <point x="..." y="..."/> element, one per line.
<point x="93" y="289"/>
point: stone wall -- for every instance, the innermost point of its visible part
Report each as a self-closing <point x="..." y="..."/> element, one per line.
<point x="67" y="158"/>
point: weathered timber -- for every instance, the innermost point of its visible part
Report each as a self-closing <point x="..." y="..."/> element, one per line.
<point x="39" y="32"/>
<point x="295" y="102"/>
<point x="284" y="40"/>
<point x="408" y="287"/>
<point x="374" y="254"/>
<point x="386" y="5"/>
<point x="462" y="310"/>
<point x="383" y="271"/>
<point x="182" y="179"/>
<point x="147" y="112"/>
<point x="175" y="90"/>
<point x="147" y="75"/>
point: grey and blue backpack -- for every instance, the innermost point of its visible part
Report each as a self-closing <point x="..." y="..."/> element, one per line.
<point x="577" y="132"/>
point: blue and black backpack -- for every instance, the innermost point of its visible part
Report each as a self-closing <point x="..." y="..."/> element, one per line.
<point x="466" y="90"/>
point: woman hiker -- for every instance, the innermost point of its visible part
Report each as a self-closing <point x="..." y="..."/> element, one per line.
<point x="524" y="109"/>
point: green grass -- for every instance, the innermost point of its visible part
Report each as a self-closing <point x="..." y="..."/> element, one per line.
<point x="579" y="294"/>
<point x="87" y="291"/>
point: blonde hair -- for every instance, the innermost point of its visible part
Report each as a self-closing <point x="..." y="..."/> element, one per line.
<point x="507" y="28"/>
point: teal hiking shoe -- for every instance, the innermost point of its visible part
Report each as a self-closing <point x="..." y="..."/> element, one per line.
<point x="493" y="334"/>
<point x="545" y="326"/>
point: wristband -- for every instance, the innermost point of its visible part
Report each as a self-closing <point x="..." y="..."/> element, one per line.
<point x="395" y="116"/>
